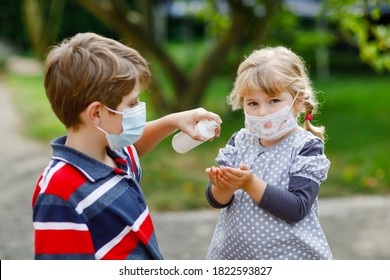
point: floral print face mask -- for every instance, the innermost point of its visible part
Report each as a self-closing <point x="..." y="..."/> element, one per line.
<point x="273" y="126"/>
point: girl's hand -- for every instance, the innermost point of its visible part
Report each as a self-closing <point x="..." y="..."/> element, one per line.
<point x="237" y="177"/>
<point x="230" y="178"/>
<point x="227" y="180"/>
<point x="219" y="189"/>
<point x="215" y="176"/>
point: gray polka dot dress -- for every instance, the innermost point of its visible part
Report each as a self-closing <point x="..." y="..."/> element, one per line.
<point x="246" y="231"/>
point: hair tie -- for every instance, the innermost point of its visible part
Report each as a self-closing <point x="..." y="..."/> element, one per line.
<point x="309" y="117"/>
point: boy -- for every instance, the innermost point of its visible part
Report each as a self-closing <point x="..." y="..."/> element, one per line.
<point x="88" y="203"/>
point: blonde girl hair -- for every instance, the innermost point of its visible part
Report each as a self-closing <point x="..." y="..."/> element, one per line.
<point x="274" y="70"/>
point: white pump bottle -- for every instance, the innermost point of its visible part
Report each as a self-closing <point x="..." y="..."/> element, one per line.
<point x="183" y="143"/>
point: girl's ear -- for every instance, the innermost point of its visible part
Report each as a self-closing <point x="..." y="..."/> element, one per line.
<point x="92" y="113"/>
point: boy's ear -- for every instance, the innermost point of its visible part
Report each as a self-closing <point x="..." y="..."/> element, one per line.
<point x="93" y="112"/>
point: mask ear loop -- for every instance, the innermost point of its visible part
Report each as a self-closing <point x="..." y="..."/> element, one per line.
<point x="113" y="111"/>
<point x="101" y="129"/>
<point x="295" y="98"/>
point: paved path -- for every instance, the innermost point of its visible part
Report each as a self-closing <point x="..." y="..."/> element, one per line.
<point x="357" y="227"/>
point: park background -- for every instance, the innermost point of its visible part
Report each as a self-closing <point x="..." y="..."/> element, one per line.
<point x="194" y="48"/>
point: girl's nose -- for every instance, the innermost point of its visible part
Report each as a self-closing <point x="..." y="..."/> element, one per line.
<point x="261" y="111"/>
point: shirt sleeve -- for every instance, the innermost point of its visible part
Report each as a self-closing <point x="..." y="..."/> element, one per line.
<point x="212" y="201"/>
<point x="308" y="171"/>
<point x="227" y="156"/>
<point x="311" y="162"/>
<point x="60" y="233"/>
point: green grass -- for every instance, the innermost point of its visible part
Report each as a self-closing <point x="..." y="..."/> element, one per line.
<point x="39" y="121"/>
<point x="356" y="114"/>
<point x="355" y="111"/>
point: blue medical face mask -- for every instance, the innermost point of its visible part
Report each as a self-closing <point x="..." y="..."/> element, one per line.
<point x="133" y="124"/>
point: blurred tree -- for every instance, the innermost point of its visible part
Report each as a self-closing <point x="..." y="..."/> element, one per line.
<point x="243" y="26"/>
<point x="42" y="20"/>
<point x="12" y="28"/>
<point x="132" y="24"/>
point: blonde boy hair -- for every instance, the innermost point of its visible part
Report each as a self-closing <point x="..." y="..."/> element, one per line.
<point x="87" y="68"/>
<point x="276" y="69"/>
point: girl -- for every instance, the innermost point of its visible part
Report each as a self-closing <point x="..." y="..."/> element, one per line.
<point x="270" y="171"/>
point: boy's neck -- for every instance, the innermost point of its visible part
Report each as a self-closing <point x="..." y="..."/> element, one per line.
<point x="90" y="145"/>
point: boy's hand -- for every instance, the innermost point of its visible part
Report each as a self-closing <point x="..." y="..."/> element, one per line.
<point x="157" y="130"/>
<point x="187" y="120"/>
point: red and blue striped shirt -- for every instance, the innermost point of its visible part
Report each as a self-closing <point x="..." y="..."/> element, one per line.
<point x="84" y="209"/>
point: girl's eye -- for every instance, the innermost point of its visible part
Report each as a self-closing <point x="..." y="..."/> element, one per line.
<point x="252" y="103"/>
<point x="274" y="100"/>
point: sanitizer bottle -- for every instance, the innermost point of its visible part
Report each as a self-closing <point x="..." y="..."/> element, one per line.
<point x="183" y="143"/>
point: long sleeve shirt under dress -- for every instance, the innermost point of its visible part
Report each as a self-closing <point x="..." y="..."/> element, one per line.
<point x="285" y="224"/>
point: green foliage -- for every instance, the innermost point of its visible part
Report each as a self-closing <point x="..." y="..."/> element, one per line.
<point x="188" y="57"/>
<point x="42" y="21"/>
<point x="12" y="27"/>
<point x="360" y="24"/>
<point x="74" y="19"/>
<point x="357" y="119"/>
<point x="216" y="22"/>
